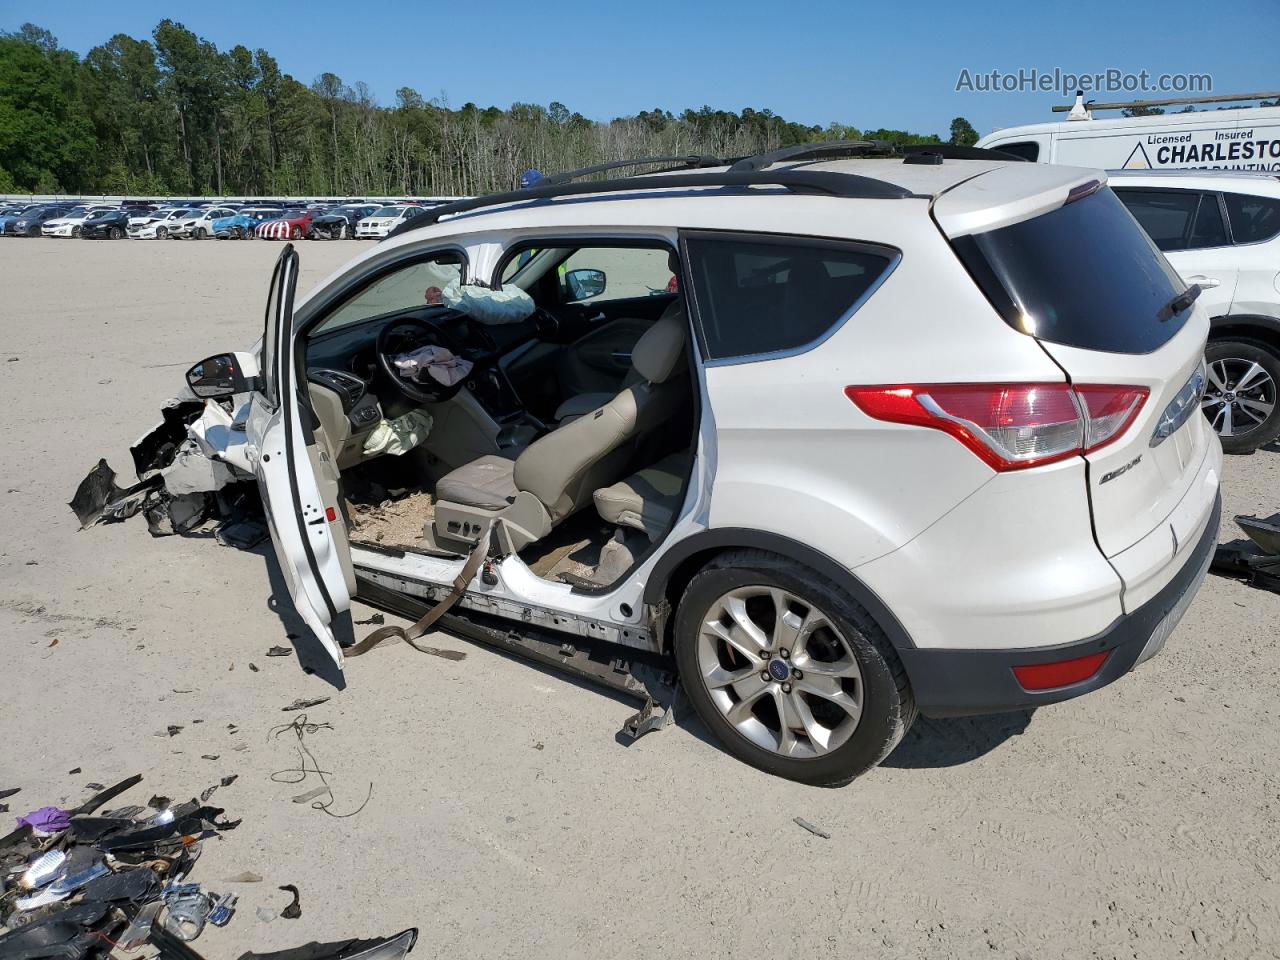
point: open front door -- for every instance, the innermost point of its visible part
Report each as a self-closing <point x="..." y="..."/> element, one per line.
<point x="297" y="478"/>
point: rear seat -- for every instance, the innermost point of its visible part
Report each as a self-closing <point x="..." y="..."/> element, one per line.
<point x="646" y="500"/>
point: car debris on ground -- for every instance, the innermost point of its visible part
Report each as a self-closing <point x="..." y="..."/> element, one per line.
<point x="77" y="884"/>
<point x="1256" y="560"/>
<point x="192" y="471"/>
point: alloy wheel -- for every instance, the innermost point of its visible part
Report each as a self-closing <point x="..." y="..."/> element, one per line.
<point x="1239" y="396"/>
<point x="780" y="672"/>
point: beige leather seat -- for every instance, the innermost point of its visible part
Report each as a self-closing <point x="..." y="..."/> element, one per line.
<point x="648" y="499"/>
<point x="558" y="473"/>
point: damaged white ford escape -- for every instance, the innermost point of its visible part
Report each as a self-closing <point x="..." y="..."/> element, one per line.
<point x="833" y="441"/>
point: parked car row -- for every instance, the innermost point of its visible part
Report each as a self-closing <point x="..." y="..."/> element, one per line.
<point x="199" y="220"/>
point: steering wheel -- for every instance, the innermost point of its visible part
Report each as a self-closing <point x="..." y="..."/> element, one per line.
<point x="409" y="334"/>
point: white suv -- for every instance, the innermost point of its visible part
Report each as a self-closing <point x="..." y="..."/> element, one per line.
<point x="834" y="441"/>
<point x="382" y="221"/>
<point x="1221" y="230"/>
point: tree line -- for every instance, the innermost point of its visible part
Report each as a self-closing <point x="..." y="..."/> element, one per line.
<point x="173" y="115"/>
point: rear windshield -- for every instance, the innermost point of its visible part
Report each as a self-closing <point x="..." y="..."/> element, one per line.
<point x="1084" y="275"/>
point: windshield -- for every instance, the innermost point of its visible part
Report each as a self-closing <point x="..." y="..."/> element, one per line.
<point x="100" y="214"/>
<point x="388" y="212"/>
<point x="76" y="212"/>
<point x="1084" y="275"/>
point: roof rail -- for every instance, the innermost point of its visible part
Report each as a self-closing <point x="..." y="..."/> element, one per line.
<point x="828" y="150"/>
<point x="1170" y="102"/>
<point x="680" y="163"/>
<point x="955" y="151"/>
<point x="820" y="182"/>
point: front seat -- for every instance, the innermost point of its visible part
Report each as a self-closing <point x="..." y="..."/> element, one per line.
<point x="558" y="473"/>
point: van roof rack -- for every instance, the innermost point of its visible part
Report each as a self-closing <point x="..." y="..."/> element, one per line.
<point x="821" y="182"/>
<point x="691" y="161"/>
<point x="955" y="151"/>
<point x="820" y="150"/>
<point x="1170" y="102"/>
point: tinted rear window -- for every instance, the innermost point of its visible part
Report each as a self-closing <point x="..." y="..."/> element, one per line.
<point x="760" y="294"/>
<point x="1253" y="219"/>
<point x="1084" y="275"/>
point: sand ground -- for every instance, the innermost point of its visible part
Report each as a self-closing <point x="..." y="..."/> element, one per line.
<point x="505" y="820"/>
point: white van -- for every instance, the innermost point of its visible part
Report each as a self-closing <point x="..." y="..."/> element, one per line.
<point x="1233" y="139"/>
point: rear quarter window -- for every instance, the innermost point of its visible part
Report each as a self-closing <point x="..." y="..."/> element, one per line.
<point x="757" y="295"/>
<point x="1253" y="219"/>
<point x="1085" y="275"/>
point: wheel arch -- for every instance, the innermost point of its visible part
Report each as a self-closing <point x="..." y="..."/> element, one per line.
<point x="1265" y="330"/>
<point x="682" y="561"/>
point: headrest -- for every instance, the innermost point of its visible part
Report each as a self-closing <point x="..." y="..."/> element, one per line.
<point x="660" y="352"/>
<point x="673" y="263"/>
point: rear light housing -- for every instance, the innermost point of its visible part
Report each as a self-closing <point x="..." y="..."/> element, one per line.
<point x="1010" y="426"/>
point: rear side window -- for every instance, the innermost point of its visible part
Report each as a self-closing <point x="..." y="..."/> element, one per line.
<point x="1177" y="219"/>
<point x="760" y="295"/>
<point x="1084" y="275"/>
<point x="1253" y="219"/>
<point x="1027" y="150"/>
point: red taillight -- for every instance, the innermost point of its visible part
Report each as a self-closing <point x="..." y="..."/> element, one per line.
<point x="1062" y="673"/>
<point x="1010" y="426"/>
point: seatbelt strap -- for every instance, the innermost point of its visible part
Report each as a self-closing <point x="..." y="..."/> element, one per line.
<point x="410" y="634"/>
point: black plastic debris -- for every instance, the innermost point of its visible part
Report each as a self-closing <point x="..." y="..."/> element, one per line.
<point x="1256" y="560"/>
<point x="84" y="884"/>
<point x="381" y="948"/>
<point x="301" y="704"/>
<point x="241" y="534"/>
<point x="294" y="910"/>
<point x="376" y="620"/>
<point x="280" y="652"/>
<point x="99" y="499"/>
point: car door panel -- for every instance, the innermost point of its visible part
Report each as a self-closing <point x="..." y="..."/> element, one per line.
<point x="598" y="358"/>
<point x="298" y="479"/>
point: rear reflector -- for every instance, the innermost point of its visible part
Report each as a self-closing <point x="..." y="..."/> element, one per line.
<point x="330" y="514"/>
<point x="1010" y="426"/>
<point x="1062" y="673"/>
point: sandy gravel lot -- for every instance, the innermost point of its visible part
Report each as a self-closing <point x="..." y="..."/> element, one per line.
<point x="505" y="821"/>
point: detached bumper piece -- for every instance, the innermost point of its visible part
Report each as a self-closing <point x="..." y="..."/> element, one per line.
<point x="950" y="683"/>
<point x="1256" y="560"/>
<point x="181" y="485"/>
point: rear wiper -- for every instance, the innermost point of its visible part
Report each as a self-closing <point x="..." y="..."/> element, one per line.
<point x="1179" y="303"/>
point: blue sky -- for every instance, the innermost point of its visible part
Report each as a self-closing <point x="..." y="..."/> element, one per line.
<point x="867" y="64"/>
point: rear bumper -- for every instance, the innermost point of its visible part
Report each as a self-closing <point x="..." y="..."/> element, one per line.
<point x="962" y="682"/>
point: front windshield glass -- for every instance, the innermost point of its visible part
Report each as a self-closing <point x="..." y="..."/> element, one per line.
<point x="418" y="285"/>
<point x="388" y="212"/>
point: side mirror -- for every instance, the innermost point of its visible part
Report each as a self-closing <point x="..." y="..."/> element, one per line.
<point x="584" y="284"/>
<point x="217" y="377"/>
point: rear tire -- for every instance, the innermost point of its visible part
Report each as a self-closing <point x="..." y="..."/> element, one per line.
<point x="117" y="233"/>
<point x="1233" y="363"/>
<point x="846" y="658"/>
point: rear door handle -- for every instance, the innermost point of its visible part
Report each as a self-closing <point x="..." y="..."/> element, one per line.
<point x="1207" y="282"/>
